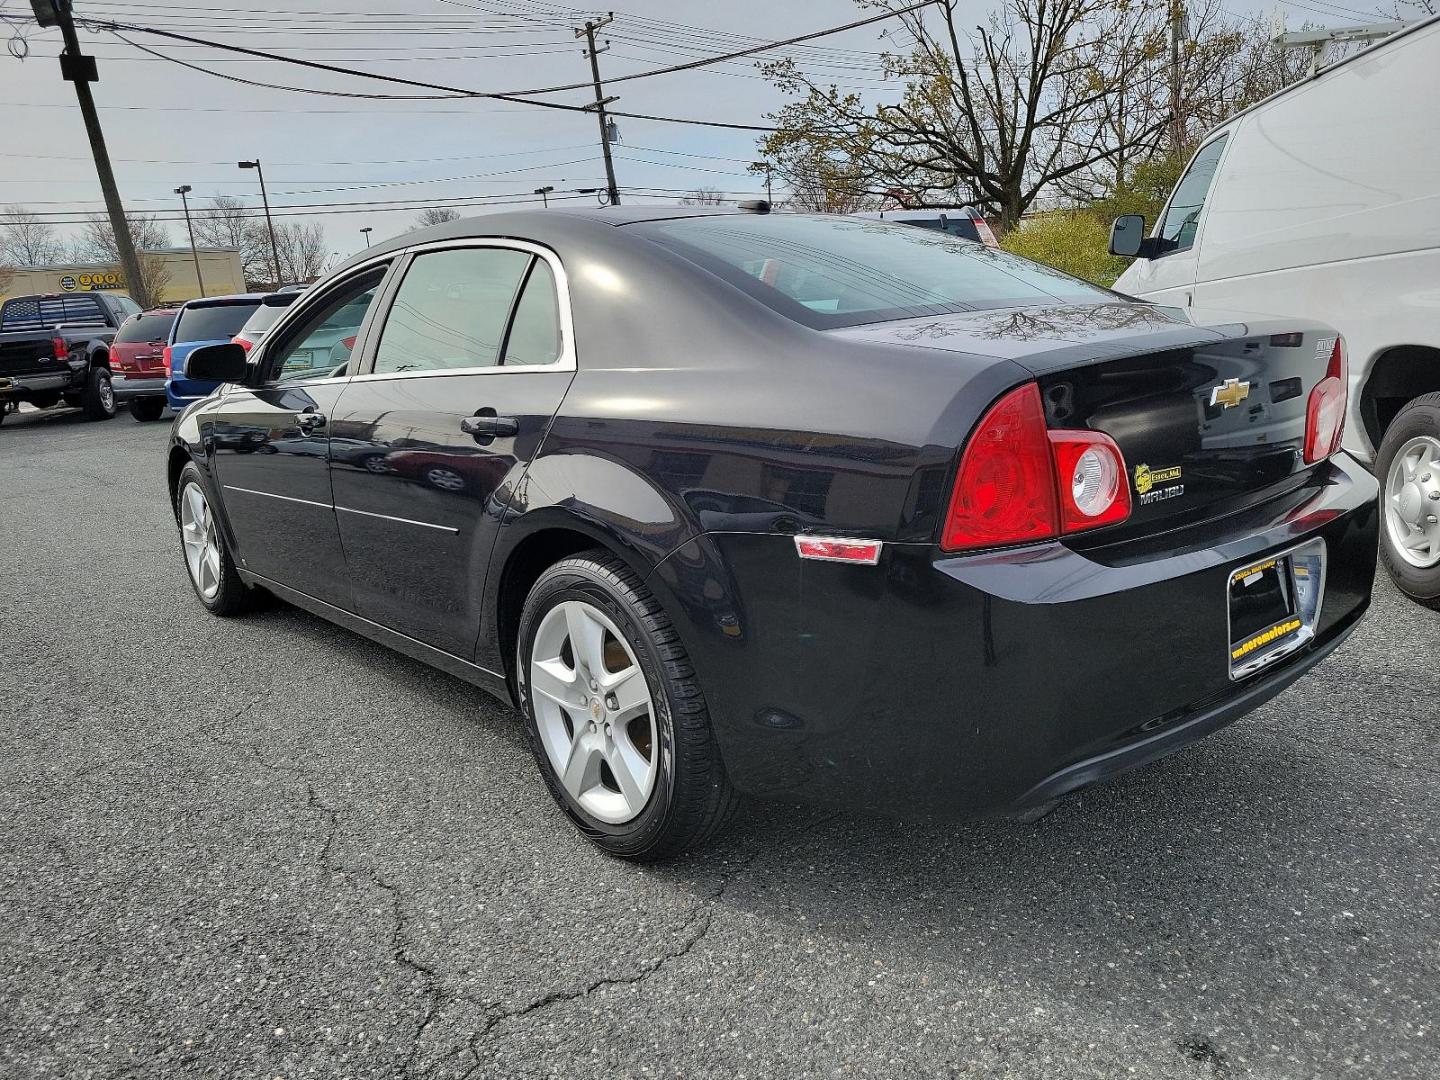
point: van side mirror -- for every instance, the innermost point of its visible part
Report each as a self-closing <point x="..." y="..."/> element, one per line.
<point x="224" y="363"/>
<point x="1127" y="235"/>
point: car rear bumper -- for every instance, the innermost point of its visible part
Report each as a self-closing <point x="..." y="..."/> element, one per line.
<point x="130" y="387"/>
<point x="961" y="685"/>
<point x="21" y="386"/>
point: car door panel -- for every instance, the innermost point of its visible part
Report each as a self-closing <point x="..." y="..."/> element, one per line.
<point x="432" y="441"/>
<point x="419" y="501"/>
<point x="276" y="482"/>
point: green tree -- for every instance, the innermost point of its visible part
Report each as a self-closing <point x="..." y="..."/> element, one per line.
<point x="1076" y="241"/>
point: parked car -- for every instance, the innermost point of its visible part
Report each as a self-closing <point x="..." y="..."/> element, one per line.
<point x="263" y="318"/>
<point x="963" y="221"/>
<point x="137" y="361"/>
<point x="1307" y="204"/>
<point x="209" y="320"/>
<point x="1005" y="533"/>
<point x="55" y="347"/>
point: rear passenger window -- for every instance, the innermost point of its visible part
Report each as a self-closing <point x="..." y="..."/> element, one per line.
<point x="451" y="310"/>
<point x="535" y="333"/>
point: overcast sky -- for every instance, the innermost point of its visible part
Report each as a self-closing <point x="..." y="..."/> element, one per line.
<point x="167" y="125"/>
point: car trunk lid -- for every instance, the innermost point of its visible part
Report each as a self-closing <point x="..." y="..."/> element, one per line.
<point x="1208" y="411"/>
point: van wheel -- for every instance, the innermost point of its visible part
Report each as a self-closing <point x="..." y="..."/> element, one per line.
<point x="146" y="409"/>
<point x="1409" y="465"/>
<point x="98" y="397"/>
<point x="614" y="712"/>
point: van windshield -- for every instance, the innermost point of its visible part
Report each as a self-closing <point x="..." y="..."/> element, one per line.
<point x="830" y="271"/>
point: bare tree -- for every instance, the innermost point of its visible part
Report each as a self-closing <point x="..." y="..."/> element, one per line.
<point x="435" y="215"/>
<point x="228" y="223"/>
<point x="994" y="116"/>
<point x="27" y="240"/>
<point x="96" y="243"/>
<point x="705" y="196"/>
<point x="302" y="250"/>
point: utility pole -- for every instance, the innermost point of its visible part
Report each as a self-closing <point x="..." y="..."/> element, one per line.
<point x="767" y="167"/>
<point x="182" y="191"/>
<point x="81" y="70"/>
<point x="544" y="193"/>
<point x="588" y="33"/>
<point x="1179" y="30"/>
<point x="269" y="222"/>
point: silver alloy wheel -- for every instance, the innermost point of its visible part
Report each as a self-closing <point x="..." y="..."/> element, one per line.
<point x="593" y="711"/>
<point x="107" y="394"/>
<point x="1412" y="502"/>
<point x="202" y="546"/>
<point x="445" y="479"/>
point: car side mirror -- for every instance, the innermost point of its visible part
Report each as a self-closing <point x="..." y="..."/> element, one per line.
<point x="224" y="363"/>
<point x="1127" y="235"/>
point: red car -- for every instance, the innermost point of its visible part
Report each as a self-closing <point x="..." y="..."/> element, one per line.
<point x="137" y="362"/>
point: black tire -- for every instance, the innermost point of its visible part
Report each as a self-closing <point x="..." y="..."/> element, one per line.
<point x="1420" y="417"/>
<point x="45" y="401"/>
<point x="692" y="797"/>
<point x="98" y="397"/>
<point x="147" y="409"/>
<point x="232" y="597"/>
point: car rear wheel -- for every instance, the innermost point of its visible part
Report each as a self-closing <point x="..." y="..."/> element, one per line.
<point x="98" y="397"/>
<point x="147" y="409"/>
<point x="207" y="561"/>
<point x="1409" y="465"/>
<point x="614" y="713"/>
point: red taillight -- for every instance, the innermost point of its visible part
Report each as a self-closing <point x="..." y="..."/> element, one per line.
<point x="348" y="342"/>
<point x="244" y="343"/>
<point x="1019" y="482"/>
<point x="165" y="356"/>
<point x="62" y="350"/>
<point x="1090" y="476"/>
<point x="1005" y="488"/>
<point x="1325" y="412"/>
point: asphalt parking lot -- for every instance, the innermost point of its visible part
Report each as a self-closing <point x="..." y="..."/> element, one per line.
<point x="269" y="848"/>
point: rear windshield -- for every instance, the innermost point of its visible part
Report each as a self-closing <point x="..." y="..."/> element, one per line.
<point x="145" y="328"/>
<point x="827" y="272"/>
<point x="214" y="321"/>
<point x="954" y="226"/>
<point x="264" y="317"/>
<point x="44" y="312"/>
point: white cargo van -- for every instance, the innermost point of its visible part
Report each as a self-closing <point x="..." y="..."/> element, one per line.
<point x="1324" y="201"/>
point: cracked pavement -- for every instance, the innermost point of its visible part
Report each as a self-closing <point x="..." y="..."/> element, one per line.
<point x="268" y="848"/>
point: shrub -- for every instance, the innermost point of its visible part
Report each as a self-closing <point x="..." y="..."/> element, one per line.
<point x="1076" y="241"/>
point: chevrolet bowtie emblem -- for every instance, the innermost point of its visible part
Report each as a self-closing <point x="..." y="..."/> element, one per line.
<point x="1229" y="393"/>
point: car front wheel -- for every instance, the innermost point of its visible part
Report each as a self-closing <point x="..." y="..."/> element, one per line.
<point x="614" y="712"/>
<point x="207" y="560"/>
<point x="1409" y="465"/>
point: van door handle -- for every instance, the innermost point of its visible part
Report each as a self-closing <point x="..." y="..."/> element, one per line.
<point x="309" y="421"/>
<point x="490" y="426"/>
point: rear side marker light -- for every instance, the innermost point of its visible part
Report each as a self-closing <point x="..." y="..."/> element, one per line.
<point x="838" y="549"/>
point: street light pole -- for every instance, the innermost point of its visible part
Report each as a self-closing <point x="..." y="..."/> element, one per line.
<point x="544" y="193"/>
<point x="365" y="232"/>
<point x="82" y="70"/>
<point x="269" y="222"/>
<point x="182" y="191"/>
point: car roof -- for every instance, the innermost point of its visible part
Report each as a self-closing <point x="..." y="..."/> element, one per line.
<point x="218" y="301"/>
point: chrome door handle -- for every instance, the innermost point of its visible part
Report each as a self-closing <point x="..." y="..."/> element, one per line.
<point x="482" y="426"/>
<point x="309" y="421"/>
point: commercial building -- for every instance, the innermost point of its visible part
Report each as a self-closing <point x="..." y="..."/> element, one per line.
<point x="220" y="268"/>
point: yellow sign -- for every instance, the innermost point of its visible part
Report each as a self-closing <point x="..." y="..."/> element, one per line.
<point x="1146" y="477"/>
<point x="1265" y="637"/>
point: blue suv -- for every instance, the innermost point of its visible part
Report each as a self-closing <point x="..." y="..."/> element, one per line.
<point x="210" y="320"/>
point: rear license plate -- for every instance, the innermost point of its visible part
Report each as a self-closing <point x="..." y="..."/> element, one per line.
<point x="1274" y="604"/>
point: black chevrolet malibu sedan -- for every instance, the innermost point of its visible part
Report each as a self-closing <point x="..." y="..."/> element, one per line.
<point x="801" y="506"/>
